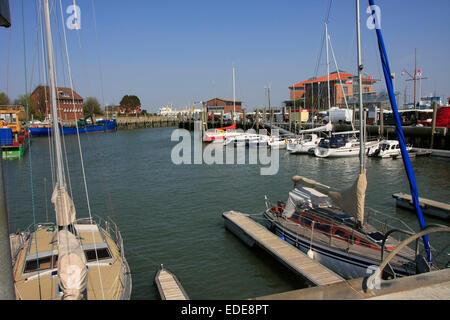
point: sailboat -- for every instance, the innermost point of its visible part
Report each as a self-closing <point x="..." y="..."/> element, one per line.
<point x="73" y="258"/>
<point x="332" y="226"/>
<point x="341" y="144"/>
<point x="308" y="140"/>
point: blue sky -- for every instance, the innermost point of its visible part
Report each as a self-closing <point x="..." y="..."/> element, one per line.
<point x="183" y="51"/>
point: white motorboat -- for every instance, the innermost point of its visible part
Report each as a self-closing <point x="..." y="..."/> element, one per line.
<point x="388" y="149"/>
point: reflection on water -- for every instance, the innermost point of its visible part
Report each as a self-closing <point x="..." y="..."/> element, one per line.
<point x="171" y="214"/>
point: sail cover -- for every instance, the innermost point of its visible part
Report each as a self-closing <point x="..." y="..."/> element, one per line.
<point x="327" y="127"/>
<point x="64" y="207"/>
<point x="72" y="269"/>
<point x="350" y="201"/>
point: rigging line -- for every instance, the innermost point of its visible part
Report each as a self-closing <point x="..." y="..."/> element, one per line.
<point x="327" y="16"/>
<point x="45" y="86"/>
<point x="58" y="28"/>
<point x="30" y="153"/>
<point x="34" y="52"/>
<point x="79" y="147"/>
<point x="98" y="53"/>
<point x="340" y="80"/>
<point x="9" y="50"/>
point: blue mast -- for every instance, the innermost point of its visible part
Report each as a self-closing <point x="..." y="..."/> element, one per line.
<point x="400" y="135"/>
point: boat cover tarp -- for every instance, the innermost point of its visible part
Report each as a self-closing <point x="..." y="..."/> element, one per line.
<point x="327" y="127"/>
<point x="72" y="269"/>
<point x="351" y="201"/>
<point x="64" y="207"/>
<point x="293" y="201"/>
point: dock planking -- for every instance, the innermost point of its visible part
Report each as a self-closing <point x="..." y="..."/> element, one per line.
<point x="168" y="286"/>
<point x="429" y="207"/>
<point x="252" y="233"/>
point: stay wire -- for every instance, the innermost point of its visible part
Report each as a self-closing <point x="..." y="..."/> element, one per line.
<point x="30" y="152"/>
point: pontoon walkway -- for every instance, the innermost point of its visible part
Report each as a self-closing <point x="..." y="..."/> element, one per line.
<point x="429" y="207"/>
<point x="252" y="233"/>
<point x="168" y="286"/>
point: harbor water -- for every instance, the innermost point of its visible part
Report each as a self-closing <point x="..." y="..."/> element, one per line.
<point x="172" y="214"/>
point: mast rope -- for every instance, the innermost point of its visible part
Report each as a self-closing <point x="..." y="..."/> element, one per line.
<point x="33" y="207"/>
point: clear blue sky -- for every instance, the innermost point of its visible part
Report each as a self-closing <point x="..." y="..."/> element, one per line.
<point x="183" y="51"/>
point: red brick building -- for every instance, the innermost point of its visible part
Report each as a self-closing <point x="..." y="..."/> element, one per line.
<point x="69" y="103"/>
<point x="317" y="88"/>
<point x="225" y="105"/>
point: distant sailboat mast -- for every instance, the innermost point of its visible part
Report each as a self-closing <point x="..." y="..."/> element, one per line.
<point x="361" y="107"/>
<point x="328" y="74"/>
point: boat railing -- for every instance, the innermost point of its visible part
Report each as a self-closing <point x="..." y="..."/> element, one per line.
<point x="374" y="280"/>
<point x="309" y="226"/>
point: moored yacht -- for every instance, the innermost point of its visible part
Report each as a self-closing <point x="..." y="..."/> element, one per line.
<point x="337" y="236"/>
<point x="388" y="149"/>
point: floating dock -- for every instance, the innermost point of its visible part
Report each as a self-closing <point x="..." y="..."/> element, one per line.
<point x="253" y="233"/>
<point x="429" y="207"/>
<point x="169" y="286"/>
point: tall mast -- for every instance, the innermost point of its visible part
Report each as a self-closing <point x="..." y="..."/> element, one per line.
<point x="234" y="94"/>
<point x="415" y="75"/>
<point x="51" y="73"/>
<point x="361" y="108"/>
<point x="328" y="73"/>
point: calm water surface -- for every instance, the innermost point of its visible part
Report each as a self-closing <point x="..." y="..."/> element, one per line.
<point x="172" y="214"/>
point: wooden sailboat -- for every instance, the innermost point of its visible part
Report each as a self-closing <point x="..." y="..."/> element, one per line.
<point x="72" y="258"/>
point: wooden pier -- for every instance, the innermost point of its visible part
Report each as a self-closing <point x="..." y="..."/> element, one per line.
<point x="253" y="233"/>
<point x="429" y="207"/>
<point x="168" y="286"/>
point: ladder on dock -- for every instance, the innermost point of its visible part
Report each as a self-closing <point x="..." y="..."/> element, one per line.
<point x="169" y="286"/>
<point x="253" y="233"/>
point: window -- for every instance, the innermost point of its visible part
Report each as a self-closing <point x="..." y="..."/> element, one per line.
<point x="44" y="263"/>
<point x="366" y="90"/>
<point x="346" y="90"/>
<point x="322" y="227"/>
<point x="306" y="220"/>
<point x="102" y="254"/>
<point x="295" y="216"/>
<point x="340" y="233"/>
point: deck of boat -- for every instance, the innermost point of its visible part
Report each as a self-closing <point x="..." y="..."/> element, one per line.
<point x="168" y="286"/>
<point x="252" y="232"/>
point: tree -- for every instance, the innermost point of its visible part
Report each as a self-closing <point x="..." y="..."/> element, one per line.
<point x="25" y="101"/>
<point x="91" y="106"/>
<point x="4" y="99"/>
<point x="130" y="102"/>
